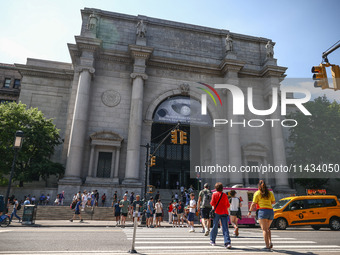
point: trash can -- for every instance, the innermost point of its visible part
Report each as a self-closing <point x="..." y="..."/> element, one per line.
<point x="29" y="214"/>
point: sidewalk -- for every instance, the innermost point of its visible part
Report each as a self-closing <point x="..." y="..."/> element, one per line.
<point x="76" y="223"/>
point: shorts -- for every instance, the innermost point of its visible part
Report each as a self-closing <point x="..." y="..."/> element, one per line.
<point x="266" y="214"/>
<point x="149" y="215"/>
<point x="180" y="215"/>
<point x="205" y="213"/>
<point x="136" y="214"/>
<point x="158" y="215"/>
<point x="233" y="213"/>
<point x="77" y="212"/>
<point x="124" y="214"/>
<point x="191" y="216"/>
<point x="174" y="216"/>
<point x="117" y="214"/>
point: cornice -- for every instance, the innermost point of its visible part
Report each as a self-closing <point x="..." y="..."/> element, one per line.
<point x="43" y="72"/>
<point x="276" y="71"/>
<point x="138" y="51"/>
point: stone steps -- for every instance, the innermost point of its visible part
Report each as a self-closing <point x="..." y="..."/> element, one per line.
<point x="65" y="213"/>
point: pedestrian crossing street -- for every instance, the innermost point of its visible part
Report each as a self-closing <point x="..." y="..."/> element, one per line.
<point x="179" y="240"/>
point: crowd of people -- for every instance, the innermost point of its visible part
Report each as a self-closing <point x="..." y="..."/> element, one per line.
<point x="211" y="209"/>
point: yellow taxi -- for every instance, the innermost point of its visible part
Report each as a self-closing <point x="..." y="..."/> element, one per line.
<point x="317" y="211"/>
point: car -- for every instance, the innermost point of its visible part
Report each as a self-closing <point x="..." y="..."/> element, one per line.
<point x="316" y="210"/>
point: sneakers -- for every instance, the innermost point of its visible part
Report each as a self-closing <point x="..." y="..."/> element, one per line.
<point x="192" y="230"/>
<point x="212" y="243"/>
<point x="71" y="220"/>
<point x="207" y="233"/>
<point x="202" y="231"/>
<point x="228" y="246"/>
<point x="81" y="220"/>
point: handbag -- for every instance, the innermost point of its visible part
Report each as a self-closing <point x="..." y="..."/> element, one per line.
<point x="212" y="212"/>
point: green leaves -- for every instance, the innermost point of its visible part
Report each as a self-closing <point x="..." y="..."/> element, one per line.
<point x="316" y="138"/>
<point x="40" y="138"/>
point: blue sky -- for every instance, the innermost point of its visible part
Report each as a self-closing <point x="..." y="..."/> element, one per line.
<point x="302" y="29"/>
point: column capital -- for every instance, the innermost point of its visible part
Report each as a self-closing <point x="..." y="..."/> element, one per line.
<point x="142" y="75"/>
<point x="80" y="69"/>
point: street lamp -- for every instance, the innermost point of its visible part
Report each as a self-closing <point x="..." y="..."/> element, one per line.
<point x="17" y="145"/>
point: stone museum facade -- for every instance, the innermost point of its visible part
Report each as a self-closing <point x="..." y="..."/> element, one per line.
<point x="125" y="72"/>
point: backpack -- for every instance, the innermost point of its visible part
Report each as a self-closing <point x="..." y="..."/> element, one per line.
<point x="206" y="199"/>
<point x="73" y="205"/>
<point x="18" y="207"/>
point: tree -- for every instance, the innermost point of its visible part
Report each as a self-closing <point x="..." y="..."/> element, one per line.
<point x="316" y="138"/>
<point x="40" y="138"/>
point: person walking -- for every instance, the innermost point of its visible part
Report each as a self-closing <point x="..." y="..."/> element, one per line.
<point x="77" y="211"/>
<point x="264" y="199"/>
<point x="15" y="209"/>
<point x="124" y="206"/>
<point x="149" y="213"/>
<point x="235" y="205"/>
<point x="220" y="204"/>
<point x="159" y="209"/>
<point x="204" y="207"/>
<point x="136" y="212"/>
<point x="116" y="211"/>
<point x="192" y="211"/>
<point x="180" y="210"/>
<point x="103" y="199"/>
<point x="170" y="212"/>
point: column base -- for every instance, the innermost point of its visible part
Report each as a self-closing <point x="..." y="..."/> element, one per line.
<point x="68" y="180"/>
<point x="131" y="181"/>
<point x="101" y="181"/>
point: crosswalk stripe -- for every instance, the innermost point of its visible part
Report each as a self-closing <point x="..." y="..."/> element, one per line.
<point x="203" y="238"/>
<point x="238" y="247"/>
<point x="233" y="242"/>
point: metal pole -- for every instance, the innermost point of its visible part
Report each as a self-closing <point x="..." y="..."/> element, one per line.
<point x="134" y="231"/>
<point x="10" y="180"/>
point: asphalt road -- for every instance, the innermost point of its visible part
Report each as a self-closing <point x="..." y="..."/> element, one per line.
<point x="114" y="240"/>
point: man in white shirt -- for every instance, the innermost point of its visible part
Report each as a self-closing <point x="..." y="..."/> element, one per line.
<point x="192" y="211"/>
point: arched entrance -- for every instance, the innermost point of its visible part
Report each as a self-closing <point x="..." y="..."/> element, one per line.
<point x="173" y="160"/>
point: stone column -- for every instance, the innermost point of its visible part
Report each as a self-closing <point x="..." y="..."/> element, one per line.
<point x="140" y="55"/>
<point x="278" y="148"/>
<point x="234" y="145"/>
<point x="79" y="125"/>
<point x="135" y="129"/>
<point x="91" y="172"/>
<point x="116" y="163"/>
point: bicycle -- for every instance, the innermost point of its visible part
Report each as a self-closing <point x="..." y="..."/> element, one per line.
<point x="4" y="220"/>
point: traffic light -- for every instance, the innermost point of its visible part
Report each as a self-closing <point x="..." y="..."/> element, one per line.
<point x="183" y="137"/>
<point x="174" y="136"/>
<point x="336" y="77"/>
<point x="320" y="76"/>
<point x="152" y="161"/>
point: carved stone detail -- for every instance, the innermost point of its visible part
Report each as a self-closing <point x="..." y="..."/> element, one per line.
<point x="111" y="98"/>
<point x="142" y="75"/>
<point x="185" y="89"/>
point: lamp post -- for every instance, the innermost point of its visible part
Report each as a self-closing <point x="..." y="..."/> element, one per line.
<point x="17" y="145"/>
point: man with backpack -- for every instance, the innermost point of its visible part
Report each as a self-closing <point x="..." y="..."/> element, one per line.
<point x="204" y="207"/>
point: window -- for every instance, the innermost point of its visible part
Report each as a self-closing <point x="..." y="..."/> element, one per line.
<point x="253" y="181"/>
<point x="329" y="202"/>
<point x="104" y="164"/>
<point x="315" y="203"/>
<point x="298" y="204"/>
<point x="7" y="82"/>
<point x="16" y="84"/>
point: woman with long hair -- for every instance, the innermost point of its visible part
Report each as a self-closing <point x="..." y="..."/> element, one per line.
<point x="264" y="199"/>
